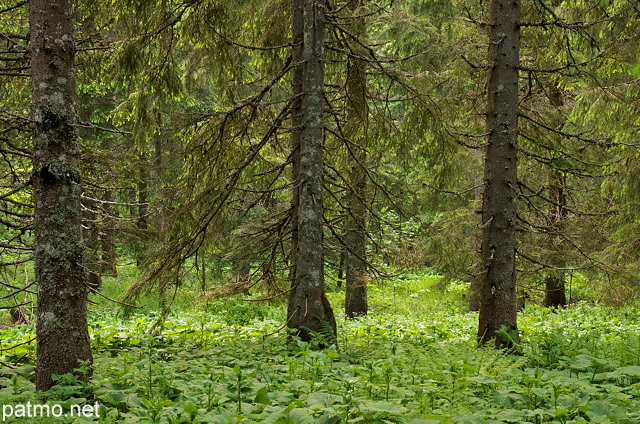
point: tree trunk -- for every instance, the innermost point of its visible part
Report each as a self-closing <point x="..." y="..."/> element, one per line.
<point x="107" y="233"/>
<point x="356" y="235"/>
<point x="160" y="230"/>
<point x="475" y="288"/>
<point x="107" y="236"/>
<point x="341" y="266"/>
<point x="498" y="285"/>
<point x="555" y="293"/>
<point x="297" y="37"/>
<point x="142" y="222"/>
<point x="62" y="336"/>
<point x="309" y="310"/>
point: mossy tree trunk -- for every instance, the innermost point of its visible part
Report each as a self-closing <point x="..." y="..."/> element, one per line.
<point x="498" y="283"/>
<point x="297" y="39"/>
<point x="62" y="335"/>
<point x="309" y="310"/>
<point x="356" y="303"/>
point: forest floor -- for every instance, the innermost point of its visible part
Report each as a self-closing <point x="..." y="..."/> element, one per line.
<point x="413" y="359"/>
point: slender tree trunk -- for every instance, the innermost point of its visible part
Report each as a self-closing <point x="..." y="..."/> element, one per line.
<point x="91" y="231"/>
<point x="107" y="233"/>
<point x="555" y="293"/>
<point x="159" y="167"/>
<point x="142" y="223"/>
<point x="498" y="288"/>
<point x="356" y="235"/>
<point x="309" y="310"/>
<point x="341" y="266"/>
<point x="475" y="289"/>
<point x="107" y="236"/>
<point x="203" y="271"/>
<point x="62" y="336"/>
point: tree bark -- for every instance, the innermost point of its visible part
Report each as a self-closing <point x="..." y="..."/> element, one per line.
<point x="475" y="288"/>
<point x="160" y="230"/>
<point x="555" y="293"/>
<point x="297" y="38"/>
<point x="356" y="303"/>
<point x="142" y="210"/>
<point x="309" y="310"/>
<point x="108" y="232"/>
<point x="498" y="285"/>
<point x="62" y="336"/>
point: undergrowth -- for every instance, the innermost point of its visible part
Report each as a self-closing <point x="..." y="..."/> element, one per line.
<point x="413" y="359"/>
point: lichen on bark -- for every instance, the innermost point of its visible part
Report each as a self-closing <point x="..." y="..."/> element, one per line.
<point x="61" y="330"/>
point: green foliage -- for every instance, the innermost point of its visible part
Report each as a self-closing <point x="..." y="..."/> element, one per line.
<point x="412" y="360"/>
<point x="235" y="310"/>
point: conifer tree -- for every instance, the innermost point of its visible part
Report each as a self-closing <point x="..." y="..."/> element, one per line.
<point x="356" y="303"/>
<point x="498" y="282"/>
<point x="62" y="335"/>
<point x="309" y="310"/>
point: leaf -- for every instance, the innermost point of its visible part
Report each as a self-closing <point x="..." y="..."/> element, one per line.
<point x="482" y="379"/>
<point x="301" y="415"/>
<point x="327" y="418"/>
<point x="468" y="419"/>
<point x="190" y="409"/>
<point x="602" y="412"/>
<point x="115" y="387"/>
<point x="379" y="406"/>
<point x="114" y="398"/>
<point x="262" y="397"/>
<point x="322" y="401"/>
<point x="632" y="371"/>
<point x="425" y="422"/>
<point x="507" y="398"/>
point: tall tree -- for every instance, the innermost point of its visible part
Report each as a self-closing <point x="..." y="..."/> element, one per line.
<point x="498" y="284"/>
<point x="357" y="117"/>
<point x="309" y="310"/>
<point x="555" y="293"/>
<point x="61" y="330"/>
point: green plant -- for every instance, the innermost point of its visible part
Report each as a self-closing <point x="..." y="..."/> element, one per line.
<point x="417" y="361"/>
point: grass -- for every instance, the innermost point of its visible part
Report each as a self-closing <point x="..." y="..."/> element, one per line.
<point x="413" y="359"/>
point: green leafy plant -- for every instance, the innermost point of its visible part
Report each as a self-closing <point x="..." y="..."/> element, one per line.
<point x="421" y="363"/>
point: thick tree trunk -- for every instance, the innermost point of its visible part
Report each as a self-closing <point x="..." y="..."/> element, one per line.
<point x="309" y="310"/>
<point x="62" y="336"/>
<point x="498" y="288"/>
<point x="297" y="37"/>
<point x="356" y="235"/>
<point x="555" y="293"/>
